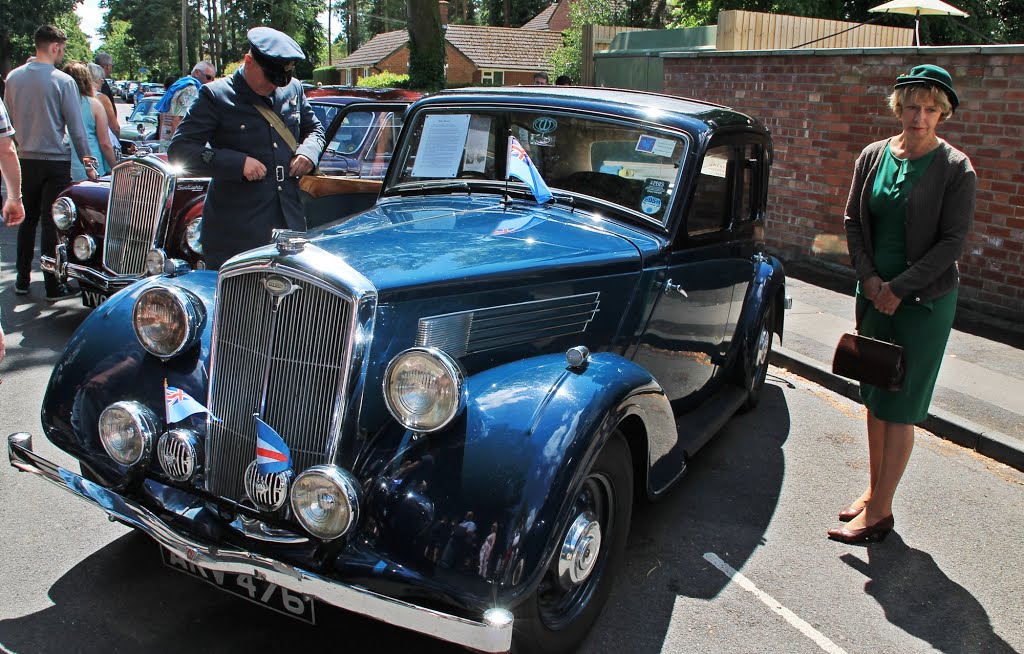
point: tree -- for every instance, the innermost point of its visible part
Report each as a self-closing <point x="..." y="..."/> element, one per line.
<point x="118" y="42"/>
<point x="567" y="60"/>
<point x="78" y="48"/>
<point x="426" y="46"/>
<point x="18" y="22"/>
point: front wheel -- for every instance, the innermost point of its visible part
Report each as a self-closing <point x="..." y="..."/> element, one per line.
<point x="756" y="365"/>
<point x="560" y="613"/>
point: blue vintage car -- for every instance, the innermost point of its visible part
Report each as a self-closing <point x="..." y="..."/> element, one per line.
<point x="439" y="412"/>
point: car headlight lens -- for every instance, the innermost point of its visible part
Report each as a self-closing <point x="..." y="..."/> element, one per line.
<point x="193" y="231"/>
<point x="126" y="431"/>
<point x="325" y="500"/>
<point x="423" y="388"/>
<point x="83" y="247"/>
<point x="167" y="320"/>
<point x="64" y="213"/>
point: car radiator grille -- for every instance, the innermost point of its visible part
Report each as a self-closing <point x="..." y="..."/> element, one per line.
<point x="294" y="354"/>
<point x="138" y="195"/>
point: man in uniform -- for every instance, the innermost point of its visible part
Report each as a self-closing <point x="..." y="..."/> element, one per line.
<point x="254" y="164"/>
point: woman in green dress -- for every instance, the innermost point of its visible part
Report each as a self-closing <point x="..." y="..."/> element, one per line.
<point x="907" y="219"/>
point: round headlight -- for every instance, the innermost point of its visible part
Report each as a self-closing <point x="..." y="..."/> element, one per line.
<point x="126" y="431"/>
<point x="193" y="231"/>
<point x="325" y="499"/>
<point x="64" y="213"/>
<point x="167" y="320"/>
<point x="155" y="260"/>
<point x="423" y="388"/>
<point x="83" y="247"/>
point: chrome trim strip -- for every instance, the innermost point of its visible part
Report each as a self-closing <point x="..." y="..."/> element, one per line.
<point x="478" y="635"/>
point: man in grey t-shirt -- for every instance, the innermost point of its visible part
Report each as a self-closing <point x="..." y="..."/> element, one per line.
<point x="43" y="102"/>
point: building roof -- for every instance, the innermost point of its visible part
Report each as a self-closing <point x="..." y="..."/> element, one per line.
<point x="502" y="48"/>
<point x="375" y="50"/>
<point x="542" y="21"/>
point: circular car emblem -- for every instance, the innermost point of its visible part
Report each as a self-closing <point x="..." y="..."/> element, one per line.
<point x="267" y="492"/>
<point x="278" y="286"/>
<point x="545" y="125"/>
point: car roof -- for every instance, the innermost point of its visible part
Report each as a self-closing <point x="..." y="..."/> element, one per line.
<point x="655" y="107"/>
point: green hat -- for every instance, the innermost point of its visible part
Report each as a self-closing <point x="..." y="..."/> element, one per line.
<point x="930" y="75"/>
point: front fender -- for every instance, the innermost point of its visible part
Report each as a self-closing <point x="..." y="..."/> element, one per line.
<point x="104" y="362"/>
<point x="533" y="430"/>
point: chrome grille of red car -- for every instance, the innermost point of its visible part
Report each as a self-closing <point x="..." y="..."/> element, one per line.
<point x="139" y="193"/>
<point x="286" y="363"/>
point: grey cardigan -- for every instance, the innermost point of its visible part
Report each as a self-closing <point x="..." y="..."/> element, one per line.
<point x="939" y="214"/>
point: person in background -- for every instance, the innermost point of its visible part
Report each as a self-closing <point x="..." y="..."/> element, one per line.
<point x="907" y="219"/>
<point x="563" y="80"/>
<point x="108" y="105"/>
<point x="44" y="102"/>
<point x="179" y="98"/>
<point x="10" y="171"/>
<point x="105" y="61"/>
<point x="254" y="134"/>
<point x="95" y="119"/>
<point x="540" y="79"/>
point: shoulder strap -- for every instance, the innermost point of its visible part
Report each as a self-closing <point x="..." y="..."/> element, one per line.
<point x="277" y="124"/>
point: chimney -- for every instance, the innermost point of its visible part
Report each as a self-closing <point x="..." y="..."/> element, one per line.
<point x="443" y="4"/>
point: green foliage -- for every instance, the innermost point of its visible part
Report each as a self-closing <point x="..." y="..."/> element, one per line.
<point x="78" y="48"/>
<point x="385" y="80"/>
<point x="18" y="22"/>
<point x="567" y="59"/>
<point x="327" y="75"/>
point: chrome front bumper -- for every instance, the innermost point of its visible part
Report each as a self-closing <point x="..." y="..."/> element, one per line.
<point x="64" y="270"/>
<point x="492" y="634"/>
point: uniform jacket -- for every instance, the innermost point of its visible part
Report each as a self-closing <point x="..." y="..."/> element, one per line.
<point x="214" y="138"/>
<point x="940" y="209"/>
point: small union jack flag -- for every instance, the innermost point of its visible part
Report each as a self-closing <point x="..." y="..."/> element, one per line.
<point x="180" y="405"/>
<point x="521" y="167"/>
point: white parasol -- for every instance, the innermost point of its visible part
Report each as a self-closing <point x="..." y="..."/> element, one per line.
<point x="917" y="7"/>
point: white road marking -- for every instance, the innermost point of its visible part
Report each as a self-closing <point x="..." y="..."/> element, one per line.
<point x="822" y="641"/>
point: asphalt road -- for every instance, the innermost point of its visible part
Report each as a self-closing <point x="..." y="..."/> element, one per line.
<point x="757" y="501"/>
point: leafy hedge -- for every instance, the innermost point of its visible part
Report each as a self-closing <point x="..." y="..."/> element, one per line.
<point x="327" y="75"/>
<point x="385" y="80"/>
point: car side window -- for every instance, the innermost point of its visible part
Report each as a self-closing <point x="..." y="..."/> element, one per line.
<point x="711" y="209"/>
<point x="750" y="186"/>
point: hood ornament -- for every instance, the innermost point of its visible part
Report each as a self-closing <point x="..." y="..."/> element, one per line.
<point x="290" y="241"/>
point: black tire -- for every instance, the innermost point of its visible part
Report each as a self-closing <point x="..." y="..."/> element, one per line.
<point x="755" y="368"/>
<point x="556" y="619"/>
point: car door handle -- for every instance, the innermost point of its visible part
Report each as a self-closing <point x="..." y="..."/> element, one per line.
<point x="674" y="288"/>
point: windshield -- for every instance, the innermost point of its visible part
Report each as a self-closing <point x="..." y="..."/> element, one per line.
<point x="628" y="164"/>
<point x="145" y="109"/>
<point x="352" y="132"/>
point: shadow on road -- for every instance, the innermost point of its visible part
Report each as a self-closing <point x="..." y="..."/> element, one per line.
<point x="723" y="505"/>
<point x="918" y="597"/>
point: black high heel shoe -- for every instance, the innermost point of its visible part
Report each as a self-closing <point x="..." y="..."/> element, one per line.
<point x="850" y="513"/>
<point x="875" y="533"/>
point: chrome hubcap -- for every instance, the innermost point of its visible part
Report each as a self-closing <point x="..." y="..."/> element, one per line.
<point x="579" y="550"/>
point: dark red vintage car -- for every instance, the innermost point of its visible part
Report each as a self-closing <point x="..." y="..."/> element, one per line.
<point x="146" y="217"/>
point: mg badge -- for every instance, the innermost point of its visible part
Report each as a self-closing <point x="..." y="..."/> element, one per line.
<point x="278" y="286"/>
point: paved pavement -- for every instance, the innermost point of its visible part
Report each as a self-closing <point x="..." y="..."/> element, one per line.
<point x="979" y="399"/>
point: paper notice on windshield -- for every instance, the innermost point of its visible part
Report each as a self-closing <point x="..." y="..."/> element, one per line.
<point x="440" y="150"/>
<point x="476" y="144"/>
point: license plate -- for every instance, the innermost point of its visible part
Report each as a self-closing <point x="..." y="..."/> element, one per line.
<point x="93" y="298"/>
<point x="247" y="587"/>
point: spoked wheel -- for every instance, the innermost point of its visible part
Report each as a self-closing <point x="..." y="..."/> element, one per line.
<point x="757" y="365"/>
<point x="577" y="581"/>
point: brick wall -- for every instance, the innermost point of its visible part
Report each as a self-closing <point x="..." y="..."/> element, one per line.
<point x="824" y="106"/>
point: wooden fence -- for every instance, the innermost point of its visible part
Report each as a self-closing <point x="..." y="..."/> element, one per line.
<point x="748" y="30"/>
<point x="597" y="38"/>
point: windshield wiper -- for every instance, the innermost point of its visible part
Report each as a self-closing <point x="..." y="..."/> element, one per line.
<point x="432" y="187"/>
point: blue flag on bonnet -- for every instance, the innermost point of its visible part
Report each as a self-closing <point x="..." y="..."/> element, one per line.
<point x="521" y="167"/>
<point x="272" y="453"/>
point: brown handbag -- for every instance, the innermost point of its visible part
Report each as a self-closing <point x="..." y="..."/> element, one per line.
<point x="870" y="361"/>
